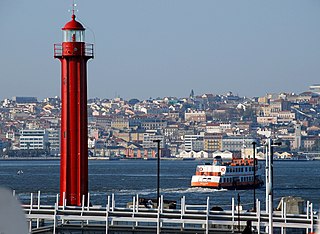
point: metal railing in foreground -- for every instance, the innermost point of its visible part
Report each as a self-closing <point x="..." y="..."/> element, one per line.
<point x="187" y="218"/>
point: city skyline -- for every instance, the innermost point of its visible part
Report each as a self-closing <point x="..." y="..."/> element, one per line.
<point x="165" y="48"/>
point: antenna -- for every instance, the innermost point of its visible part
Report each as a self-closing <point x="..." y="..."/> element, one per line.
<point x="74" y="5"/>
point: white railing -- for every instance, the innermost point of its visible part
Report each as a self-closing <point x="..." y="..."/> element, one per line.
<point x="186" y="218"/>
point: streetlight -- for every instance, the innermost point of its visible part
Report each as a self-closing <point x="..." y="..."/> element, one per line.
<point x="158" y="171"/>
<point x="269" y="180"/>
<point x="254" y="175"/>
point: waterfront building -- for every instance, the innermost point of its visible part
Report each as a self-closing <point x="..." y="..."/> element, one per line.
<point x="150" y="137"/>
<point x="171" y="132"/>
<point x="308" y="142"/>
<point x="136" y="136"/>
<point x="236" y="143"/>
<point x="212" y="142"/>
<point x="194" y="142"/>
<point x="225" y="155"/>
<point x="33" y="139"/>
<point x="54" y="140"/>
<point x="296" y="144"/>
<point x="193" y="154"/>
<point x="1" y="147"/>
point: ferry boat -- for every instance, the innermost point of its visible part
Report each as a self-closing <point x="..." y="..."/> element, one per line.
<point x="237" y="174"/>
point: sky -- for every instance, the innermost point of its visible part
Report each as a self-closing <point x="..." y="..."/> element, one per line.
<point x="158" y="48"/>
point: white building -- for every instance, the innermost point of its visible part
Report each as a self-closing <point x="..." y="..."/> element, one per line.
<point x="225" y="155"/>
<point x="236" y="143"/>
<point x="193" y="154"/>
<point x="315" y="88"/>
<point x="193" y="142"/>
<point x="33" y="139"/>
<point x="54" y="140"/>
<point x="149" y="138"/>
<point x="213" y="128"/>
<point x="296" y="144"/>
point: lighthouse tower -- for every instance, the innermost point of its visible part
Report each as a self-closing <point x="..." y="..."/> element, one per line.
<point x="73" y="54"/>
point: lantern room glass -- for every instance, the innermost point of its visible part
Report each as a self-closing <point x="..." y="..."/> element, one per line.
<point x="73" y="36"/>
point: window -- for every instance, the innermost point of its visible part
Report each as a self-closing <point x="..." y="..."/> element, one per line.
<point x="73" y="36"/>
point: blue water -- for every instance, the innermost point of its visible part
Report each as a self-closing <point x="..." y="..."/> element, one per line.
<point x="127" y="178"/>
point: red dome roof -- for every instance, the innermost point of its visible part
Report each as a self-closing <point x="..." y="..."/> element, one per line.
<point x="73" y="25"/>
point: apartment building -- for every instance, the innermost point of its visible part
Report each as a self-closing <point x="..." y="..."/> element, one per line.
<point x="236" y="143"/>
<point x="193" y="142"/>
<point x="33" y="139"/>
<point x="212" y="142"/>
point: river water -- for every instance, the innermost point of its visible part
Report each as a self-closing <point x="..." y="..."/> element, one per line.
<point x="126" y="178"/>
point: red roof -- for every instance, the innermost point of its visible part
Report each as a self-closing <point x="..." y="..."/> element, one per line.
<point x="73" y="25"/>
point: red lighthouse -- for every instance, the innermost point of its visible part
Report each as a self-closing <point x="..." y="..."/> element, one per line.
<point x="73" y="54"/>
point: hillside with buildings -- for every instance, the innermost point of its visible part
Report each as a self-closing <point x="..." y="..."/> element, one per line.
<point x="199" y="126"/>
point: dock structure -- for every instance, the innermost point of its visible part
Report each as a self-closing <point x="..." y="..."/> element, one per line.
<point x="137" y="218"/>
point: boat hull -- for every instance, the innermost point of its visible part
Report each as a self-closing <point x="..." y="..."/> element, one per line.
<point x="214" y="182"/>
<point x="228" y="187"/>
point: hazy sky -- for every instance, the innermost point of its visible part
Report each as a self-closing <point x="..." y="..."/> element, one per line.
<point x="157" y="48"/>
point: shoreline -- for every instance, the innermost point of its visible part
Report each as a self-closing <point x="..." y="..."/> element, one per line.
<point x="100" y="158"/>
<point x="54" y="158"/>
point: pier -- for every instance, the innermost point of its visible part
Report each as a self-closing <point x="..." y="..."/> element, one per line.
<point x="137" y="218"/>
